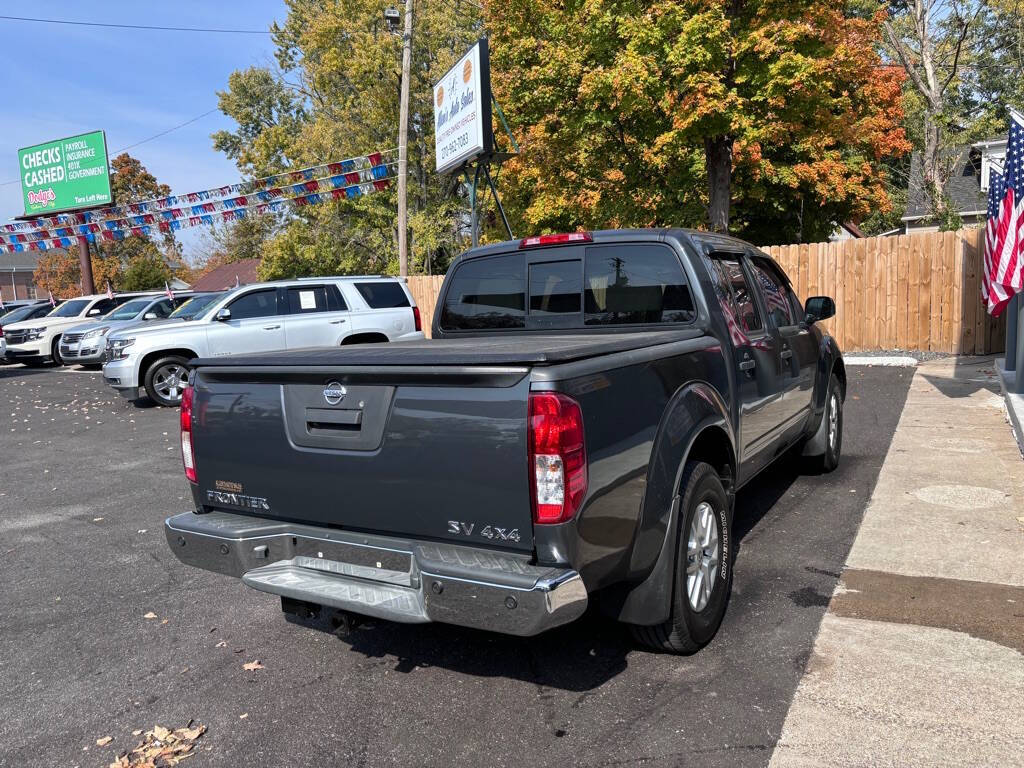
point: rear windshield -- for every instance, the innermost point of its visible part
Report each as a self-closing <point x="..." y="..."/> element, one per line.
<point x="383" y="295"/>
<point x="629" y="284"/>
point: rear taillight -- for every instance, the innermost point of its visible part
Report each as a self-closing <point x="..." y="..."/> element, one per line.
<point x="558" y="457"/>
<point x="416" y="318"/>
<point x="187" y="456"/>
<point x="565" y="237"/>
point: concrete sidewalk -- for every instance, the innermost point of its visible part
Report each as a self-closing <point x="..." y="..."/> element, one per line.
<point x="918" y="660"/>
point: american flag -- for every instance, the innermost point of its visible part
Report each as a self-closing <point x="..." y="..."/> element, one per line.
<point x="996" y="193"/>
<point x="110" y="291"/>
<point x="1007" y="267"/>
<point x="168" y="291"/>
<point x="736" y="334"/>
<point x="773" y="296"/>
<point x="53" y="303"/>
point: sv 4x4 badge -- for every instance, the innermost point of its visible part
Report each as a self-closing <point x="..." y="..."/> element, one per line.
<point x="491" y="532"/>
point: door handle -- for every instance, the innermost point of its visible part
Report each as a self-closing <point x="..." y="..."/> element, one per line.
<point x="271" y="327"/>
<point x="337" y="322"/>
<point x="747" y="365"/>
<point x="786" y="354"/>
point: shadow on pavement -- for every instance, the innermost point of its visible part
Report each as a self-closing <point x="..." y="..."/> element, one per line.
<point x="577" y="657"/>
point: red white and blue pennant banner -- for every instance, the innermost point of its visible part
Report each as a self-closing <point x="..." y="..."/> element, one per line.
<point x="103" y="226"/>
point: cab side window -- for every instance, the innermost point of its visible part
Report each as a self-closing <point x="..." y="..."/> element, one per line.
<point x="778" y="299"/>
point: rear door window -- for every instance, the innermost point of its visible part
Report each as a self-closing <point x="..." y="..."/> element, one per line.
<point x="631" y="284"/>
<point x="304" y="299"/>
<point x="735" y="293"/>
<point x="777" y="296"/>
<point x="384" y="295"/>
<point x="487" y="293"/>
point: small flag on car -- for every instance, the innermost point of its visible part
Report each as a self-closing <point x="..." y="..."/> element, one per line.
<point x="168" y="291"/>
<point x="52" y="302"/>
<point x="110" y="293"/>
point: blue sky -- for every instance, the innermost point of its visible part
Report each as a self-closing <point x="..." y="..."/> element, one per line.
<point x="62" y="80"/>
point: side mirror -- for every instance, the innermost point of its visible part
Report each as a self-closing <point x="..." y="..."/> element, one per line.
<point x="149" y="316"/>
<point x="92" y="312"/>
<point x="223" y="314"/>
<point x="818" y="308"/>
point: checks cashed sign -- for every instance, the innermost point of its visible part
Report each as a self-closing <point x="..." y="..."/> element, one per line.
<point x="462" y="110"/>
<point x="65" y="174"/>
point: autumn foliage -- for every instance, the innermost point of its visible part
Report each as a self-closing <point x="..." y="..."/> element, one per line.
<point x="618" y="107"/>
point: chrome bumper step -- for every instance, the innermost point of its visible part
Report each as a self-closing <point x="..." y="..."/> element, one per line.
<point x="381" y="576"/>
<point x="383" y="601"/>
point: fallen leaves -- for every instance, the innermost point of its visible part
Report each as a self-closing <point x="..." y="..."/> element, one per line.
<point x="160" y="746"/>
<point x="221" y="644"/>
<point x="252" y="666"/>
<point x="149" y="615"/>
<point x="104" y="741"/>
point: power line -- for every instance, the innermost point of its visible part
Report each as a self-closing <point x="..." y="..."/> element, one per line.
<point x="143" y="141"/>
<point x="138" y="26"/>
<point x="164" y="133"/>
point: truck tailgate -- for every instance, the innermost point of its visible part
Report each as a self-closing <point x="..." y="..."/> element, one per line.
<point x="402" y="451"/>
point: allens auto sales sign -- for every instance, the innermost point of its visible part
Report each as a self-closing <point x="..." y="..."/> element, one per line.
<point x="462" y="110"/>
<point x="65" y="174"/>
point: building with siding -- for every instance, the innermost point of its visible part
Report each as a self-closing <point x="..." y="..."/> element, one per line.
<point x="17" y="275"/>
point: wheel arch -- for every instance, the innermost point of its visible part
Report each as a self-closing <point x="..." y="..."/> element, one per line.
<point x="696" y="426"/>
<point x="151" y="357"/>
<point x="365" y="337"/>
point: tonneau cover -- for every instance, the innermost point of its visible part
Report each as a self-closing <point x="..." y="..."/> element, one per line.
<point x="521" y="349"/>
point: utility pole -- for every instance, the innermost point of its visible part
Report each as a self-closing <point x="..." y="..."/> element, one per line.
<point x="403" y="147"/>
<point x="85" y="263"/>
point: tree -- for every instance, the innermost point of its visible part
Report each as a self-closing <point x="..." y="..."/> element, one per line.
<point x="145" y="272"/>
<point x="932" y="41"/>
<point x="59" y="271"/>
<point x="335" y="95"/>
<point x="238" y="240"/>
<point x="694" y="112"/>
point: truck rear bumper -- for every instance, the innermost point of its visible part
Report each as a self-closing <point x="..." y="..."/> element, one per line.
<point x="389" y="578"/>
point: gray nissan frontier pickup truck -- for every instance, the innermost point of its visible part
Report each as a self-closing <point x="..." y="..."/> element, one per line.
<point x="574" y="432"/>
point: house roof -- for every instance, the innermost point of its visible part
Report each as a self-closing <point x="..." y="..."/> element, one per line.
<point x="963" y="188"/>
<point x="224" y="276"/>
<point x="25" y="261"/>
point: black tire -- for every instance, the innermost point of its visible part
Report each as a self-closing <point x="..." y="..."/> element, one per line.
<point x="157" y="376"/>
<point x="55" y="352"/>
<point x="687" y="629"/>
<point x="829" y="460"/>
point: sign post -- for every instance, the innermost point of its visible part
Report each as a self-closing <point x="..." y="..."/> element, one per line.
<point x="65" y="175"/>
<point x="463" y="134"/>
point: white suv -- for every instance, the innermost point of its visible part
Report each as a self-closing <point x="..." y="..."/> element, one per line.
<point x="33" y="342"/>
<point x="263" y="317"/>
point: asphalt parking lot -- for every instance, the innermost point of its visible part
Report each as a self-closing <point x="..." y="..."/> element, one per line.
<point x="87" y="480"/>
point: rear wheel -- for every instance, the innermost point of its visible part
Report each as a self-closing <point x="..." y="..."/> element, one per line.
<point x="165" y="379"/>
<point x="703" y="574"/>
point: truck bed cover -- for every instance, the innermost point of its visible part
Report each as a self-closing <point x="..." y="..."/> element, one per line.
<point x="514" y="349"/>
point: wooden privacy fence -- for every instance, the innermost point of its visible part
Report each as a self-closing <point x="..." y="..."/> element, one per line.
<point x="918" y="291"/>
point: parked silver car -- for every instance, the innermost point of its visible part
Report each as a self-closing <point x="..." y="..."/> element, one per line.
<point x="262" y="317"/>
<point x="86" y="344"/>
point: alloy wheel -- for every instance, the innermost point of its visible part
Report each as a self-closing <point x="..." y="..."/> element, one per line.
<point x="702" y="556"/>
